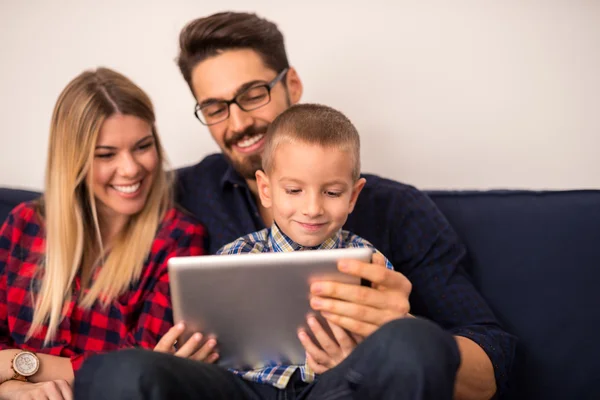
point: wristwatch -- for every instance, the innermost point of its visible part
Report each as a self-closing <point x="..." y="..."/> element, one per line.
<point x="24" y="365"/>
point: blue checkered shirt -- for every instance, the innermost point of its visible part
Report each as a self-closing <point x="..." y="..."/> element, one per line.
<point x="273" y="240"/>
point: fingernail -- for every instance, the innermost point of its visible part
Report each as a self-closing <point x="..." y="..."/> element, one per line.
<point x="316" y="288"/>
<point x="180" y="325"/>
<point x="312" y="321"/>
<point x="302" y="335"/>
<point x="343" y="265"/>
<point x="197" y="336"/>
<point x="316" y="302"/>
<point x="211" y="343"/>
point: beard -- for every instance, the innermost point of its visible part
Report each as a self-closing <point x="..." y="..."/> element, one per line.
<point x="248" y="165"/>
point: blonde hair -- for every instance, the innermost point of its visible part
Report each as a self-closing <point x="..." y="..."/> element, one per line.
<point x="73" y="241"/>
<point x="312" y="124"/>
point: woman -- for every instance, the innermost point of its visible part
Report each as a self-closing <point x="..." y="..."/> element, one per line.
<point x="83" y="270"/>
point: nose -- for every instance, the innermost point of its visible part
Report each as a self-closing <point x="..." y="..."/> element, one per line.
<point x="129" y="167"/>
<point x="239" y="120"/>
<point x="313" y="205"/>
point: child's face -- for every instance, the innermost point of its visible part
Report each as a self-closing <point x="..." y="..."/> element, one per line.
<point x="310" y="191"/>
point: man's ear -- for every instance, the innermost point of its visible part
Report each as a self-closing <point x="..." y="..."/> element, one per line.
<point x="356" y="189"/>
<point x="294" y="85"/>
<point x="264" y="188"/>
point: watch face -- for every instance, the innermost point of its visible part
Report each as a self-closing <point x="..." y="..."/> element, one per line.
<point x="26" y="364"/>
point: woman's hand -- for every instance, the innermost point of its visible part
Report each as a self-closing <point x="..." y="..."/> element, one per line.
<point x="191" y="349"/>
<point x="50" y="390"/>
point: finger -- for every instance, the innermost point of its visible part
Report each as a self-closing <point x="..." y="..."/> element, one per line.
<point x="344" y="339"/>
<point x="316" y="354"/>
<point x="378" y="258"/>
<point x="167" y="342"/>
<point x="190" y="347"/>
<point x="65" y="389"/>
<point x="360" y="312"/>
<point x="357" y="327"/>
<point x="357" y="338"/>
<point x="330" y="347"/>
<point x="204" y="351"/>
<point x="212" y="358"/>
<point x="352" y="293"/>
<point x="316" y="367"/>
<point x="50" y="391"/>
<point x="378" y="276"/>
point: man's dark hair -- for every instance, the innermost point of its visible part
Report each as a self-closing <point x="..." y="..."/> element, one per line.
<point x="208" y="36"/>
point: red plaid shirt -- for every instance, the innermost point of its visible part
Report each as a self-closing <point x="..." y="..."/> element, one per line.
<point x="137" y="318"/>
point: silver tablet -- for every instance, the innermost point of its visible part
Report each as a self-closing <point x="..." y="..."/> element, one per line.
<point x="253" y="303"/>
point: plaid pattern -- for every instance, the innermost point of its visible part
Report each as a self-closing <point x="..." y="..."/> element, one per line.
<point x="137" y="318"/>
<point x="273" y="240"/>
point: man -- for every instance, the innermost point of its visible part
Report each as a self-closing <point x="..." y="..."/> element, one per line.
<point x="237" y="68"/>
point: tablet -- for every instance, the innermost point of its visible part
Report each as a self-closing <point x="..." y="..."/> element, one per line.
<point x="253" y="303"/>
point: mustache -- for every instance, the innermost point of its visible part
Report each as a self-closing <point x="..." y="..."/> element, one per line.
<point x="250" y="131"/>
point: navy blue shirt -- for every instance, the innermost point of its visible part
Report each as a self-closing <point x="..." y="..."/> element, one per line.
<point x="399" y="220"/>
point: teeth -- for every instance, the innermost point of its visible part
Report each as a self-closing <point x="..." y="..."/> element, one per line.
<point x="250" y="141"/>
<point x="128" y="189"/>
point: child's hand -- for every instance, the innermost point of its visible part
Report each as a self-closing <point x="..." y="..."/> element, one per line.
<point x="191" y="349"/>
<point x="333" y="351"/>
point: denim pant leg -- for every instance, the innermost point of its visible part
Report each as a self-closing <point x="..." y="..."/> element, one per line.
<point x="406" y="359"/>
<point x="143" y="374"/>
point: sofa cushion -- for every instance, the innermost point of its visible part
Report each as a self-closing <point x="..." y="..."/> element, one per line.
<point x="536" y="257"/>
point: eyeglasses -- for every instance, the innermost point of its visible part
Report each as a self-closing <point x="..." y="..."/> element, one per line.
<point x="250" y="99"/>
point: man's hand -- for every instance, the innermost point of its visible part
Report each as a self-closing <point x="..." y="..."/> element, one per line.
<point x="359" y="309"/>
<point x="191" y="349"/>
<point x="331" y="351"/>
<point x="50" y="390"/>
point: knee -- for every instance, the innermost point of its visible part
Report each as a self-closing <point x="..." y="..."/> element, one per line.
<point x="418" y="343"/>
<point x="116" y="372"/>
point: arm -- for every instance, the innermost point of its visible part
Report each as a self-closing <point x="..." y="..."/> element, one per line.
<point x="51" y="367"/>
<point x="156" y="317"/>
<point x="363" y="310"/>
<point x="475" y="377"/>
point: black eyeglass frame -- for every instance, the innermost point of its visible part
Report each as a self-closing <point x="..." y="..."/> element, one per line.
<point x="269" y="86"/>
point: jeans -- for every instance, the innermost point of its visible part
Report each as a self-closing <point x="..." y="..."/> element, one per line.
<point x="404" y="359"/>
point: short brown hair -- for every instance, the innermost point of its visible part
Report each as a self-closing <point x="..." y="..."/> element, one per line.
<point x="312" y="124"/>
<point x="208" y="36"/>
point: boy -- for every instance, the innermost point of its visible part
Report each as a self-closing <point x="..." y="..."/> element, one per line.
<point x="310" y="180"/>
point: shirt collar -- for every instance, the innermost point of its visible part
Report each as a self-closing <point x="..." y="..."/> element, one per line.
<point x="231" y="177"/>
<point x="280" y="242"/>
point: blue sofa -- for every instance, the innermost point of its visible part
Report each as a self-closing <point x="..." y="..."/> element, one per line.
<point x="535" y="256"/>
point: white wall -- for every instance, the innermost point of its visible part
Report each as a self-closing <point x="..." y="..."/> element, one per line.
<point x="446" y="94"/>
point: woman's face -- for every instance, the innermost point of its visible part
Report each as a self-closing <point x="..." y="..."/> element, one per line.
<point x="125" y="164"/>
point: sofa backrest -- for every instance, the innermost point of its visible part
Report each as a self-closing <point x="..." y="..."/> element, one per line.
<point x="10" y="198"/>
<point x="535" y="256"/>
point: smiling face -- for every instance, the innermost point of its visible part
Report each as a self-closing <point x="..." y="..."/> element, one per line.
<point x="125" y="164"/>
<point x="228" y="74"/>
<point x="310" y="190"/>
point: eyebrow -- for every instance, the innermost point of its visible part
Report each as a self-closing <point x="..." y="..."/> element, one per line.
<point x="136" y="143"/>
<point x="331" y="183"/>
<point x="336" y="182"/>
<point x="239" y="90"/>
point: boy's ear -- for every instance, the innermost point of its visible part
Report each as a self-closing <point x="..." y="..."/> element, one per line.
<point x="264" y="188"/>
<point x="356" y="189"/>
